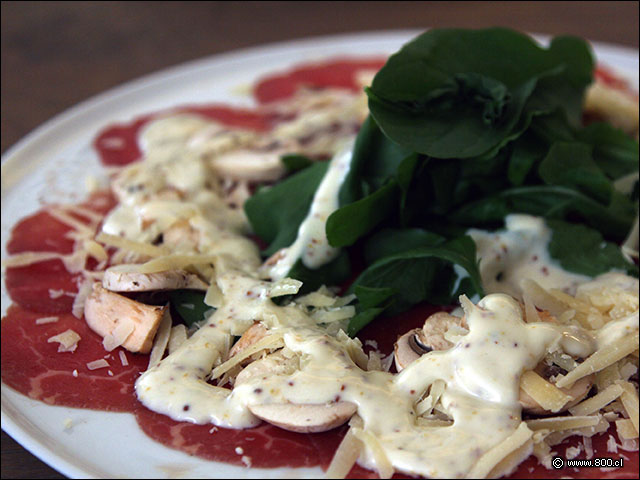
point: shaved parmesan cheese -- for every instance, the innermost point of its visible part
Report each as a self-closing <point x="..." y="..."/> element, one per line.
<point x="177" y="337"/>
<point x="91" y="215"/>
<point x="123" y="358"/>
<point x="333" y="314"/>
<point x="573" y="452"/>
<point x="214" y="296"/>
<point x="96" y="250"/>
<point x="345" y="456"/>
<point x="118" y="336"/>
<point x="628" y="370"/>
<point x="75" y="262"/>
<point x="323" y="297"/>
<point x="27" y="258"/>
<point x="588" y="448"/>
<point x="161" y="340"/>
<point x="67" y="219"/>
<point x="68" y="341"/>
<point x="375" y="361"/>
<point x="44" y="320"/>
<point x="130" y="245"/>
<point x="96" y="364"/>
<point x="77" y="309"/>
<point x="286" y="286"/>
<point x="273" y="341"/>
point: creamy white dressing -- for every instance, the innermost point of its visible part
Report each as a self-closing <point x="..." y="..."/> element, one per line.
<point x="175" y="185"/>
<point x="481" y="373"/>
<point x="517" y="252"/>
<point x="311" y="244"/>
<point x="173" y="192"/>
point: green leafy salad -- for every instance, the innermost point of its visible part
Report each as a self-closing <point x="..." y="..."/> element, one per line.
<point x="465" y="127"/>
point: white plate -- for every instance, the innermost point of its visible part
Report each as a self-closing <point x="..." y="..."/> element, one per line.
<point x="47" y="164"/>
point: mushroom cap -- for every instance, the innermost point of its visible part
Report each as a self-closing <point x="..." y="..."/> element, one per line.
<point x="404" y="353"/>
<point x="305" y="418"/>
<point x="104" y="311"/>
<point x="416" y="342"/>
<point x="254" y="333"/>
<point x="116" y="280"/>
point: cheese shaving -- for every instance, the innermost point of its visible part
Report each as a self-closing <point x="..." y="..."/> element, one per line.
<point x="130" y="245"/>
<point x="490" y="460"/>
<point x="161" y="340"/>
<point x="118" y="336"/>
<point x="123" y="358"/>
<point x="45" y="320"/>
<point x="84" y="290"/>
<point x="68" y="341"/>
<point x="67" y="219"/>
<point x="345" y="456"/>
<point x="97" y="364"/>
<point x="177" y="337"/>
<point x="272" y="341"/>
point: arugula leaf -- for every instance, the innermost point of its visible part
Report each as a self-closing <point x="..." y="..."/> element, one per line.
<point x="276" y="212"/>
<point x="375" y="161"/>
<point x="391" y="241"/>
<point x="613" y="151"/>
<point x="466" y="127"/>
<point x="454" y="129"/>
<point x="582" y="250"/>
<point x="349" y="223"/>
<point x="571" y="165"/>
<point x="551" y="202"/>
<point x="294" y="162"/>
<point x="528" y="151"/>
<point x="362" y="319"/>
<point x="409" y="176"/>
<point x="418" y="275"/>
<point x="369" y="297"/>
<point x="189" y="304"/>
<point x="332" y="273"/>
<point x="454" y="93"/>
<point x="564" y="91"/>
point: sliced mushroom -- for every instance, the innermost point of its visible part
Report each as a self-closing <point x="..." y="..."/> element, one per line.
<point x="254" y="333"/>
<point x="405" y="349"/>
<point x="250" y="165"/>
<point x="305" y="418"/>
<point x="105" y="311"/>
<point x="410" y="346"/>
<point x="119" y="281"/>
<point x="181" y="236"/>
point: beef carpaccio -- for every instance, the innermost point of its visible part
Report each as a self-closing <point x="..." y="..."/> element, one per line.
<point x="82" y="374"/>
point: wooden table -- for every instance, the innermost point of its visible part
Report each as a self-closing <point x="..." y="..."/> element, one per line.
<point x="55" y="55"/>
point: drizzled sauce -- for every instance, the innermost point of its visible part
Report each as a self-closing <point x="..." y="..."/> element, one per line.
<point x="311" y="244"/>
<point x="295" y="450"/>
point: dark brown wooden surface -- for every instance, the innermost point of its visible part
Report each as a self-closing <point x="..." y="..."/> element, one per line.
<point x="56" y="54"/>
